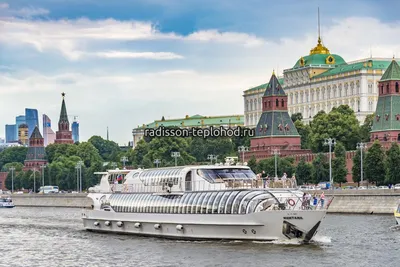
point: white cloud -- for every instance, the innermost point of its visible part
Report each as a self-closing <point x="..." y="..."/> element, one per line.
<point x="74" y="37"/>
<point x="148" y="55"/>
<point x="26" y="12"/>
<point x="211" y="79"/>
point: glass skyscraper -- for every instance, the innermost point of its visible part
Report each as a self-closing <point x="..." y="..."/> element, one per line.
<point x="48" y="134"/>
<point x="18" y="121"/>
<point x="32" y="119"/>
<point x="75" y="131"/>
<point x="11" y="133"/>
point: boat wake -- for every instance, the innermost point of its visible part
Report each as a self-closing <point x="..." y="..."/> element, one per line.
<point x="321" y="239"/>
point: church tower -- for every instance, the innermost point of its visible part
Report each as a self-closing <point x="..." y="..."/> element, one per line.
<point x="275" y="129"/>
<point x="63" y="135"/>
<point x="386" y="124"/>
<point x="36" y="156"/>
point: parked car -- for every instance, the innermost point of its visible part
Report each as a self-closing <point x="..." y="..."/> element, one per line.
<point x="372" y="187"/>
<point x="383" y="187"/>
<point x="362" y="188"/>
<point x="396" y="186"/>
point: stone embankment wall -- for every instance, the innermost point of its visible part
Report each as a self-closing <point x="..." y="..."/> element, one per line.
<point x="58" y="200"/>
<point x="345" y="201"/>
<point x="363" y="201"/>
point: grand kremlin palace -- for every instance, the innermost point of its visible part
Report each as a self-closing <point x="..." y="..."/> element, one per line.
<point x="321" y="81"/>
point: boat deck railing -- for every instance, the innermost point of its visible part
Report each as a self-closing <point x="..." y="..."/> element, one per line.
<point x="176" y="186"/>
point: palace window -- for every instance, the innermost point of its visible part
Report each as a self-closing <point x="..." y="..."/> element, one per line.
<point x="397" y="87"/>
<point x="282" y="103"/>
<point x="387" y="88"/>
<point x="370" y="88"/>
<point x="277" y="103"/>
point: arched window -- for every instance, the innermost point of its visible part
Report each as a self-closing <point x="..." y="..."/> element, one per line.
<point x="283" y="103"/>
<point x="277" y="103"/>
<point x="397" y="87"/>
<point x="269" y="103"/>
<point x="381" y="89"/>
<point x="387" y="88"/>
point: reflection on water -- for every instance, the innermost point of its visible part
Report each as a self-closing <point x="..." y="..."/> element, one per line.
<point x="55" y="237"/>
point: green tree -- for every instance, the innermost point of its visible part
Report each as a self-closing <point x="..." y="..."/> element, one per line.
<point x="12" y="154"/>
<point x="108" y="150"/>
<point x="304" y="131"/>
<point x="375" y="168"/>
<point x="320" y="170"/>
<point x="303" y="172"/>
<point x="339" y="170"/>
<point x="366" y="128"/>
<point x="393" y="164"/>
<point x="340" y="124"/>
<point x="137" y="155"/>
<point x="252" y="163"/>
<point x="356" y="169"/>
<point x="284" y="165"/>
<point x="296" y="117"/>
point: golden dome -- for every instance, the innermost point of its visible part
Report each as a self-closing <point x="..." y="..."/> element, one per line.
<point x="319" y="49"/>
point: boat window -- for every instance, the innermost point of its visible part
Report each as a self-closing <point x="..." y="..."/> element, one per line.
<point x="229" y="203"/>
<point x="147" y="203"/>
<point x="210" y="202"/>
<point x="188" y="209"/>
<point x="193" y="207"/>
<point x="198" y="203"/>
<point x="255" y="201"/>
<point x="219" y="175"/>
<point x="215" y="204"/>
<point x="203" y="206"/>
<point x="247" y="199"/>
<point x="143" y="201"/>
<point x="237" y="200"/>
<point x="183" y="203"/>
<point x="221" y="205"/>
<point x="137" y="202"/>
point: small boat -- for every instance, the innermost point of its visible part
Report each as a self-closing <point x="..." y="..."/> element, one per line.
<point x="6" y="202"/>
<point x="397" y="214"/>
<point x="199" y="202"/>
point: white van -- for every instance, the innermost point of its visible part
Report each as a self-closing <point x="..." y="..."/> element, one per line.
<point x="48" y="189"/>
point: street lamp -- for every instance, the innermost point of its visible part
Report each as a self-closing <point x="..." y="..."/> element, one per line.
<point x="243" y="149"/>
<point x="361" y="146"/>
<point x="123" y="160"/>
<point x="211" y="157"/>
<point x="113" y="165"/>
<point x="276" y="152"/>
<point x="175" y="155"/>
<point x="42" y="167"/>
<point x="157" y="161"/>
<point x="12" y="169"/>
<point x="80" y="164"/>
<point x="34" y="180"/>
<point x="330" y="142"/>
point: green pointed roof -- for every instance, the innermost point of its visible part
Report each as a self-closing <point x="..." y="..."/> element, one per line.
<point x="36" y="133"/>
<point x="392" y="72"/>
<point x="275" y="122"/>
<point x="274" y="88"/>
<point x="63" y="113"/>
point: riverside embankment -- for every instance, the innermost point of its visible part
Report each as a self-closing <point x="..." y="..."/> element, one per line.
<point x="345" y="201"/>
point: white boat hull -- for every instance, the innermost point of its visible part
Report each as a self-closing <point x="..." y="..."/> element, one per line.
<point x="259" y="226"/>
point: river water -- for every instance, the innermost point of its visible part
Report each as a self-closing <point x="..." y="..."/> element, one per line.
<point x="55" y="237"/>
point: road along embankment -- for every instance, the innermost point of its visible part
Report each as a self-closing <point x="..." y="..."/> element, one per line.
<point x="345" y="201"/>
<point x="52" y="200"/>
<point x="362" y="201"/>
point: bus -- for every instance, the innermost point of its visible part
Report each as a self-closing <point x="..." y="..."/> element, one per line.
<point x="48" y="189"/>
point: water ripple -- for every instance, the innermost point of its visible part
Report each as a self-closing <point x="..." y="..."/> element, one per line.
<point x="55" y="237"/>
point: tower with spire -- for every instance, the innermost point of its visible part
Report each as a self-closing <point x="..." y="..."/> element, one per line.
<point x="36" y="156"/>
<point x="386" y="124"/>
<point x="275" y="129"/>
<point x="63" y="135"/>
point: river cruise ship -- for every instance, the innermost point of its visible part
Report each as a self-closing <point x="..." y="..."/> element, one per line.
<point x="199" y="202"/>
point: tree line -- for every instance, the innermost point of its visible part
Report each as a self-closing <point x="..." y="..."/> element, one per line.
<point x="98" y="154"/>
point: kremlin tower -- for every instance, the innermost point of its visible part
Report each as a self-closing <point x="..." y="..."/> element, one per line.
<point x="63" y="135"/>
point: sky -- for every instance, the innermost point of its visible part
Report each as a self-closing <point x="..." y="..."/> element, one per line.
<point x="126" y="63"/>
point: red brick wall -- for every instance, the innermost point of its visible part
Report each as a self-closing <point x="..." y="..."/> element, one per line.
<point x="3" y="176"/>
